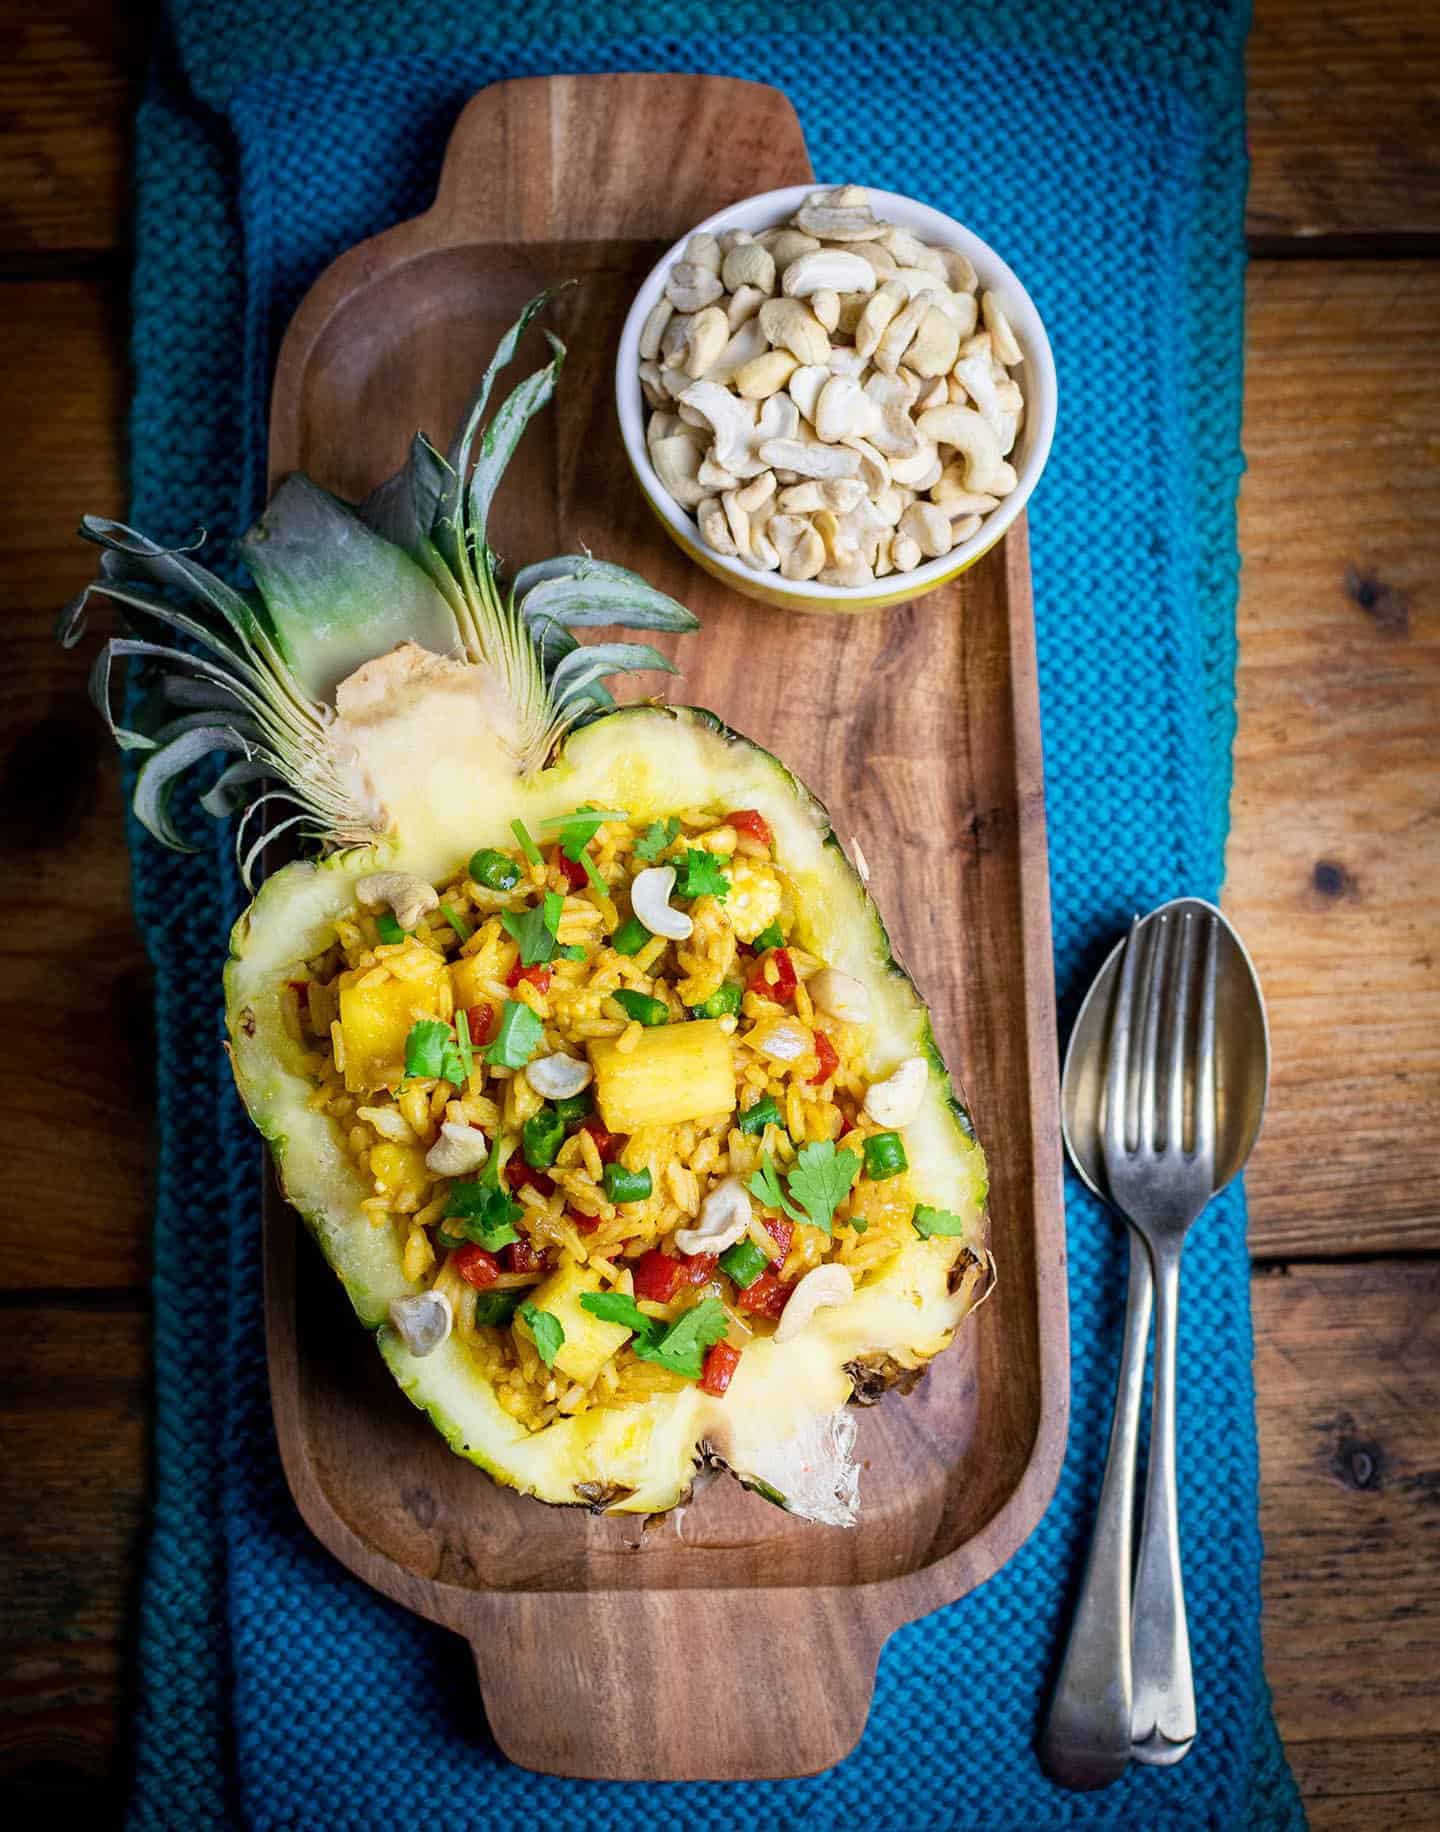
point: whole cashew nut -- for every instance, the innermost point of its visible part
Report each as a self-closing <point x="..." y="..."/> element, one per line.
<point x="724" y="1218"/>
<point x="650" y="900"/>
<point x="408" y="897"/>
<point x="896" y="1100"/>
<point x="821" y="1287"/>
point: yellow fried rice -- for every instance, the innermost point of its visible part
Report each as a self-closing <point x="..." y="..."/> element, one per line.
<point x="388" y="1130"/>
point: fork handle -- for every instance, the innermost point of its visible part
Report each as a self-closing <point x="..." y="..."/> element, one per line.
<point x="1085" y="1742"/>
<point x="1163" y="1711"/>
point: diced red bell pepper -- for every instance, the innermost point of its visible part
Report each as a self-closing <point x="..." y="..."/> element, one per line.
<point x="538" y="976"/>
<point x="829" y="1058"/>
<point x="518" y="1173"/>
<point x="781" y="1232"/>
<point x="478" y="1019"/>
<point x="587" y="1224"/>
<point x="766" y="1297"/>
<point x="700" y="1266"/>
<point x="658" y="1276"/>
<point x="752" y="822"/>
<point x="525" y="1256"/>
<point x="476" y="1266"/>
<point x="721" y="1362"/>
<point x="782" y="987"/>
<point x="571" y="870"/>
<point x="608" y="1144"/>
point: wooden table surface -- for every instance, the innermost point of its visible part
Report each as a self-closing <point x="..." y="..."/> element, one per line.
<point x="1334" y="865"/>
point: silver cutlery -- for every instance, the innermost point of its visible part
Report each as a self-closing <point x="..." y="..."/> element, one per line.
<point x="1162" y="1097"/>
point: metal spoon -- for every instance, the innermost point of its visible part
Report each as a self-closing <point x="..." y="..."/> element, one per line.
<point x="1109" y="1704"/>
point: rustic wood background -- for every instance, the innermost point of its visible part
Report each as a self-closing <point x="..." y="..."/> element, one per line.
<point x="1333" y="876"/>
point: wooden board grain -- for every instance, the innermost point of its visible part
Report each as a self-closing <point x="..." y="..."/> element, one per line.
<point x="1344" y="123"/>
<point x="87" y="1052"/>
<point x="935" y="765"/>
<point x="1334" y="855"/>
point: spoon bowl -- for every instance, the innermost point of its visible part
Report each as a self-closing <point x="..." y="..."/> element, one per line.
<point x="1242" y="1056"/>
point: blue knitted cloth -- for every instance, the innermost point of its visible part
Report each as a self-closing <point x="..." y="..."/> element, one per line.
<point x="1103" y="153"/>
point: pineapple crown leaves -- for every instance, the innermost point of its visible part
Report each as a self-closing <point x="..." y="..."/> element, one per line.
<point x="253" y="674"/>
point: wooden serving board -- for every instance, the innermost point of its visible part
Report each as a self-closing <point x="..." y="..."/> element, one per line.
<point x="728" y="1639"/>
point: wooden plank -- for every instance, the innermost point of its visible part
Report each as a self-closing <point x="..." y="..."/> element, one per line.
<point x="1342" y="102"/>
<point x="1335" y="849"/>
<point x="1347" y="1366"/>
<point x="70" y="75"/>
<point x="74" y="983"/>
<point x="73" y="1397"/>
<point x="1342" y="108"/>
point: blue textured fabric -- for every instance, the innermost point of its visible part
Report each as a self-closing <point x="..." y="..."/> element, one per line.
<point x="1102" y="152"/>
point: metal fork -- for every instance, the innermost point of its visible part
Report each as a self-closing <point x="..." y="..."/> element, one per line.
<point x="1162" y="1185"/>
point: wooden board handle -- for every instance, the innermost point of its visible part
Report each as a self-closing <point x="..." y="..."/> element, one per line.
<point x="679" y="1684"/>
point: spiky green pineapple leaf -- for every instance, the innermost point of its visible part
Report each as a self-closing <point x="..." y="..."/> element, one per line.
<point x="402" y="510"/>
<point x="503" y="434"/>
<point x="167" y="763"/>
<point x="448" y="529"/>
<point x="338" y="594"/>
<point x="229" y="793"/>
<point x="577" y="673"/>
<point x="579" y="592"/>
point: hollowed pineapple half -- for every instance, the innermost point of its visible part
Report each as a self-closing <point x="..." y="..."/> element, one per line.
<point x="381" y="681"/>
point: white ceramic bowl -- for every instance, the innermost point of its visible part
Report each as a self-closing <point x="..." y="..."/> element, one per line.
<point x="1036" y="377"/>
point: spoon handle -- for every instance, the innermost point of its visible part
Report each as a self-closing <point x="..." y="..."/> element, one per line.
<point x="1164" y="1695"/>
<point x="1085" y="1742"/>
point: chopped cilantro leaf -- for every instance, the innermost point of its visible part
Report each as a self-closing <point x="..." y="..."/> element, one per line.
<point x="682" y="1347"/>
<point x="534" y="929"/>
<point x="821" y="1181"/>
<point x="616" y="1307"/>
<point x="572" y="951"/>
<point x="425" y="1048"/>
<point x="495" y="1307"/>
<point x="699" y="874"/>
<point x="576" y="832"/>
<point x="547" y="1332"/>
<point x="765" y="1186"/>
<point x="516" y="1040"/>
<point x="656" y="837"/>
<point x="930" y="1221"/>
<point x="578" y="829"/>
<point x="485" y="1214"/>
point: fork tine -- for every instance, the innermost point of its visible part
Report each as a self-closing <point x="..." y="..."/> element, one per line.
<point x="1161" y="951"/>
<point x="1179" y="1038"/>
<point x="1205" y="1051"/>
<point x="1117" y="1073"/>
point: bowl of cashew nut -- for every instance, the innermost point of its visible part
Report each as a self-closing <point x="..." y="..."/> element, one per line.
<point x="834" y="399"/>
